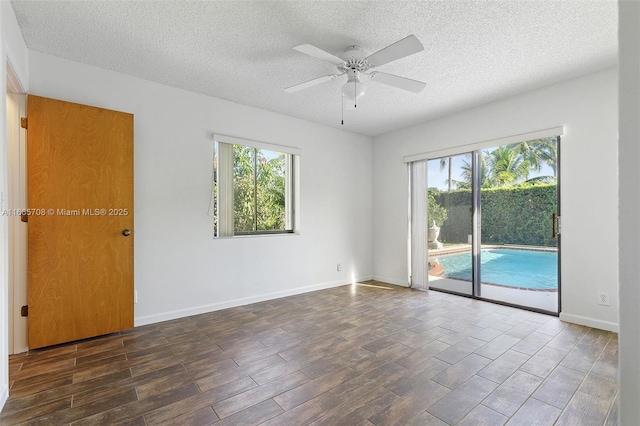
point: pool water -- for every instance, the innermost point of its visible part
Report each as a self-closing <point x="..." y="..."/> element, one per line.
<point x="514" y="268"/>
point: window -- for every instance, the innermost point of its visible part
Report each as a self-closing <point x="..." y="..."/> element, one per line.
<point x="254" y="187"/>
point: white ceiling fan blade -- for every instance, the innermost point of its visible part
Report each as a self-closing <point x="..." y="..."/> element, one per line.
<point x="310" y="50"/>
<point x="414" y="86"/>
<point x="405" y="47"/>
<point x="310" y="83"/>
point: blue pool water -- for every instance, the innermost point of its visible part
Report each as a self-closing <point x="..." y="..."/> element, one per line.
<point x="513" y="268"/>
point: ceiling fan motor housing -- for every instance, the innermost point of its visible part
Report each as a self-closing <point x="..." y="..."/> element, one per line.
<point x="354" y="58"/>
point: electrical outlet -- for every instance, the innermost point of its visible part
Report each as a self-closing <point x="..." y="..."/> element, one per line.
<point x="339" y="267"/>
<point x="603" y="298"/>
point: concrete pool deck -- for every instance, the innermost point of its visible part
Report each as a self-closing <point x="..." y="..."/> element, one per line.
<point x="461" y="248"/>
<point x="535" y="298"/>
<point x="545" y="300"/>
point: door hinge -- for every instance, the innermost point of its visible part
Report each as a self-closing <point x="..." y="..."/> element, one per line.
<point x="23" y="122"/>
<point x="24" y="311"/>
<point x="24" y="218"/>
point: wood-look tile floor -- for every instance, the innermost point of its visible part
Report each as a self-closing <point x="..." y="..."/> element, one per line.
<point x="353" y="355"/>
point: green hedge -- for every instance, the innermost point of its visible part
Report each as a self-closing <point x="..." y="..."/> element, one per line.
<point x="512" y="215"/>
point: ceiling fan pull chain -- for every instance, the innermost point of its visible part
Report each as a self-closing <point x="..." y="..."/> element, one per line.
<point x="342" y="101"/>
<point x="355" y="91"/>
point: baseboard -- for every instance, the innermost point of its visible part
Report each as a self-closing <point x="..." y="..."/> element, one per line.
<point x="589" y="322"/>
<point x="4" y="395"/>
<point x="402" y="283"/>
<point x="181" y="313"/>
<point x="19" y="350"/>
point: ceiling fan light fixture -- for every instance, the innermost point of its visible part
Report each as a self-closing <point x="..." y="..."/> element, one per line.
<point x="353" y="89"/>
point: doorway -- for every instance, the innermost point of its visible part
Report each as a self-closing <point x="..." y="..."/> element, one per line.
<point x="16" y="102"/>
<point x="493" y="217"/>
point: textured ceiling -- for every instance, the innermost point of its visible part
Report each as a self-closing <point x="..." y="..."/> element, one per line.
<point x="475" y="52"/>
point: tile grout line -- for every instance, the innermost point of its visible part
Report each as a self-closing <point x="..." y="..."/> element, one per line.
<point x="613" y="403"/>
<point x="587" y="375"/>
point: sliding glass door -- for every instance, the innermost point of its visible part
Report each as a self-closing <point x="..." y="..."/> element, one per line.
<point x="450" y="207"/>
<point x="519" y="204"/>
<point x="493" y="216"/>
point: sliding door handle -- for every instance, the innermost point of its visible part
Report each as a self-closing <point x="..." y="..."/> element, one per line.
<point x="554" y="224"/>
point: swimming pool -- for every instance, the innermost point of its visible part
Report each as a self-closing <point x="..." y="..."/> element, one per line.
<point x="535" y="270"/>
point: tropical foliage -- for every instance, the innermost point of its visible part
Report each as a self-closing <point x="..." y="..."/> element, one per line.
<point x="436" y="212"/>
<point x="511" y="164"/>
<point x="510" y="215"/>
<point x="258" y="189"/>
<point x="517" y="201"/>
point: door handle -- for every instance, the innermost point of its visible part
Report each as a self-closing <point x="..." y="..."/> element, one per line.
<point x="126" y="232"/>
<point x="554" y="232"/>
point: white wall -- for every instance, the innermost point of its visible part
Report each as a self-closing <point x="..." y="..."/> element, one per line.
<point x="13" y="49"/>
<point x="587" y="108"/>
<point x="629" y="196"/>
<point x="179" y="268"/>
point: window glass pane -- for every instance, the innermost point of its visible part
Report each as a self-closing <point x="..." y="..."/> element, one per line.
<point x="270" y="190"/>
<point x="450" y="203"/>
<point x="253" y="188"/>
<point x="519" y="254"/>
<point x="244" y="188"/>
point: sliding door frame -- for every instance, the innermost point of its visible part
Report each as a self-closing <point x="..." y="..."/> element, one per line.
<point x="559" y="233"/>
<point x="476" y="223"/>
<point x="475" y="150"/>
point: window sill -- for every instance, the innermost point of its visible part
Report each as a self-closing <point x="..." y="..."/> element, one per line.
<point x="274" y="234"/>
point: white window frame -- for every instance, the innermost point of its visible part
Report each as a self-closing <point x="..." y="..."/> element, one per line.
<point x="224" y="223"/>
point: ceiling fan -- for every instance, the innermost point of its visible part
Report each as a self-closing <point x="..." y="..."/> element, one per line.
<point x="355" y="63"/>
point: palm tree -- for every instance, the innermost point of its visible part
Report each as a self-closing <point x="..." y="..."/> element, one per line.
<point x="507" y="166"/>
<point x="444" y="162"/>
<point x="486" y="180"/>
<point x="548" y="151"/>
<point x="466" y="173"/>
<point x="510" y="164"/>
<point x="538" y="152"/>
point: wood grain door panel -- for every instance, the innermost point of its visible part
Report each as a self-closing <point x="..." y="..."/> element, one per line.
<point x="80" y="265"/>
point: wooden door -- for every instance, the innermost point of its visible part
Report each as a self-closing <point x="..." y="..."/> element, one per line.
<point x="80" y="200"/>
